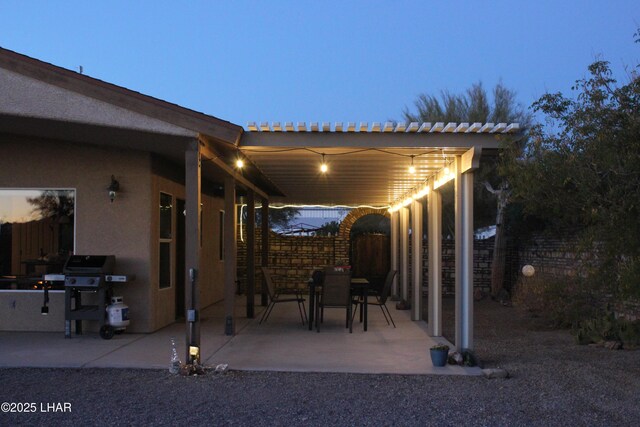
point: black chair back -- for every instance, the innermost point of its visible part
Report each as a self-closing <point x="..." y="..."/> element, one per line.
<point x="318" y="277"/>
<point x="336" y="289"/>
<point x="386" y="289"/>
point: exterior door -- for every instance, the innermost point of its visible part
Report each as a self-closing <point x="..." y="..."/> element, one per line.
<point x="370" y="257"/>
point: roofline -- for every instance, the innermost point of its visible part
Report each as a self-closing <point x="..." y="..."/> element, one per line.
<point x="120" y="96"/>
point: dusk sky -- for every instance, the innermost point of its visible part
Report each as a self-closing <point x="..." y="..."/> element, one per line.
<point x="360" y="61"/>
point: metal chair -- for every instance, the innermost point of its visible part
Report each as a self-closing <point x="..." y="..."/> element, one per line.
<point x="336" y="293"/>
<point x="381" y="300"/>
<point x="276" y="296"/>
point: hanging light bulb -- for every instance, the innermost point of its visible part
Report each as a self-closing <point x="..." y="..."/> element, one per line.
<point x="323" y="166"/>
<point x="412" y="169"/>
<point x="239" y="163"/>
<point x="446" y="165"/>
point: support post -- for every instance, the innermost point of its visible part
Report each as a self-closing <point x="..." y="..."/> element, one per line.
<point x="395" y="264"/>
<point x="404" y="253"/>
<point x="229" y="255"/>
<point x="435" y="263"/>
<point x="464" y="257"/>
<point x="264" y="299"/>
<point x="251" y="253"/>
<point x="193" y="184"/>
<point x="416" y="260"/>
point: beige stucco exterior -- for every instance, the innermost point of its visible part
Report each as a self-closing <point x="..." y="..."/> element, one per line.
<point x="127" y="228"/>
<point x="62" y="130"/>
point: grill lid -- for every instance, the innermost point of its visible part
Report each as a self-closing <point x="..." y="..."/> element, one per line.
<point x="90" y="264"/>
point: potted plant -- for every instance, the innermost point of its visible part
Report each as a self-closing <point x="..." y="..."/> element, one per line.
<point x="439" y="354"/>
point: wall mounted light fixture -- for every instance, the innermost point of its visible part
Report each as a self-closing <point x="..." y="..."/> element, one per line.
<point x="114" y="187"/>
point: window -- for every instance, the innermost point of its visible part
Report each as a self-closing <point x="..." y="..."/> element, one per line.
<point x="37" y="235"/>
<point x="166" y="233"/>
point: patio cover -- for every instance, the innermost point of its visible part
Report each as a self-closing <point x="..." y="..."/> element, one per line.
<point x="370" y="166"/>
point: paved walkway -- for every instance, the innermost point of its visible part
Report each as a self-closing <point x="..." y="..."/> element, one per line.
<point x="281" y="344"/>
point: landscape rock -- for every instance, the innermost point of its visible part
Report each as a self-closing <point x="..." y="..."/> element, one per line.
<point x="478" y="295"/>
<point x="613" y="345"/>
<point x="493" y="373"/>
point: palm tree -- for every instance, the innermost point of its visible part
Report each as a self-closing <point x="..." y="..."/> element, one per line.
<point x="492" y="191"/>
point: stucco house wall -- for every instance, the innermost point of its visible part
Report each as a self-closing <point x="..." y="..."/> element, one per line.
<point x="127" y="228"/>
<point x="211" y="273"/>
<point x="101" y="227"/>
<point x="83" y="131"/>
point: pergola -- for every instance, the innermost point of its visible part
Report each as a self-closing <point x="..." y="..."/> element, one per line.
<point x="370" y="165"/>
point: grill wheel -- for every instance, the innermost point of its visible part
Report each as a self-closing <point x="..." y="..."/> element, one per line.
<point x="106" y="332"/>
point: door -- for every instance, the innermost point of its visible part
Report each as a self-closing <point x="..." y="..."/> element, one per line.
<point x="370" y="257"/>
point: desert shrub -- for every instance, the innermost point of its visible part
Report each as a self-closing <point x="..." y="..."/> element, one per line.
<point x="562" y="302"/>
<point x="609" y="328"/>
<point x="629" y="333"/>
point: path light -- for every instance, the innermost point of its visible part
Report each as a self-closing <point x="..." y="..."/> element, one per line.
<point x="528" y="270"/>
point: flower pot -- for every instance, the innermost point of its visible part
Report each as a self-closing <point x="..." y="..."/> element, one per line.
<point x="439" y="357"/>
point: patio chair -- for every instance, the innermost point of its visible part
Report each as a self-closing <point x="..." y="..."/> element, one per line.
<point x="278" y="295"/>
<point x="336" y="293"/>
<point x="381" y="299"/>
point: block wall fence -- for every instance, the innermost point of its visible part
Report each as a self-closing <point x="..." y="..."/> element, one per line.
<point x="296" y="257"/>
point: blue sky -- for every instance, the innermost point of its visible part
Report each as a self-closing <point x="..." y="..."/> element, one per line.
<point x="323" y="60"/>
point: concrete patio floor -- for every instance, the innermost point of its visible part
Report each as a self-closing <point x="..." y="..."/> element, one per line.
<point x="281" y="344"/>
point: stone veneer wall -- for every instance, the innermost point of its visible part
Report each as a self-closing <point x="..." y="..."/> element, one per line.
<point x="553" y="256"/>
<point x="482" y="255"/>
<point x="557" y="257"/>
<point x="294" y="257"/>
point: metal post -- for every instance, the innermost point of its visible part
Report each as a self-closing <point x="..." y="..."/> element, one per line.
<point x="464" y="258"/>
<point x="193" y="185"/>
<point x="435" y="263"/>
<point x="416" y="260"/>
<point x="251" y="253"/>
<point x="265" y="249"/>
<point x="466" y="342"/>
<point x="404" y="253"/>
<point x="395" y="265"/>
<point x="229" y="255"/>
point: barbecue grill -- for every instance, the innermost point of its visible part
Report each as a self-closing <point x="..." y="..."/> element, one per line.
<point x="87" y="274"/>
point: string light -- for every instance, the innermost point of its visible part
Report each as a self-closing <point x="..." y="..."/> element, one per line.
<point x="446" y="165"/>
<point x="323" y="166"/>
<point x="239" y="163"/>
<point x="412" y="169"/>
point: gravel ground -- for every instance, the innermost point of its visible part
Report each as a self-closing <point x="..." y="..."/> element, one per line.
<point x="552" y="382"/>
